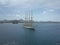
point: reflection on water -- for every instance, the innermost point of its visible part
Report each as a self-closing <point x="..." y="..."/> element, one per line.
<point x="14" y="42"/>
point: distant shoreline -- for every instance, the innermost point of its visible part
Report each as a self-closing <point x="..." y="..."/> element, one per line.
<point x="34" y="22"/>
<point x="23" y="21"/>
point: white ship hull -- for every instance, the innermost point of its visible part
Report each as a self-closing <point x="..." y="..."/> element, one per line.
<point x="29" y="27"/>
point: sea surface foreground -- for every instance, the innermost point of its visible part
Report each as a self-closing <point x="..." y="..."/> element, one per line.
<point x="16" y="34"/>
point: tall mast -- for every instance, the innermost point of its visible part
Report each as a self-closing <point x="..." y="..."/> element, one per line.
<point x="28" y="20"/>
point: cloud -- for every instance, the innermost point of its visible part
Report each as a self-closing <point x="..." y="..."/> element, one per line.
<point x="53" y="4"/>
<point x="48" y="11"/>
<point x="42" y="9"/>
<point x="44" y="12"/>
<point x="12" y="16"/>
<point x="51" y="10"/>
<point x="32" y="3"/>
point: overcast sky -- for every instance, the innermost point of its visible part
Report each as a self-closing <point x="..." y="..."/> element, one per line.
<point x="42" y="10"/>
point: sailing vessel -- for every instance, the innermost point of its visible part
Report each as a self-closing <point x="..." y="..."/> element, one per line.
<point x="28" y="20"/>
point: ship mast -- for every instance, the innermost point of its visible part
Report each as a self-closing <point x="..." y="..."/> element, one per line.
<point x="28" y="20"/>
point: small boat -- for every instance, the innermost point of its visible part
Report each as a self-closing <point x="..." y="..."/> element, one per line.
<point x="14" y="22"/>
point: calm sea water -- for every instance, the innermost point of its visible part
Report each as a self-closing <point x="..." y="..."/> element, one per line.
<point x="16" y="34"/>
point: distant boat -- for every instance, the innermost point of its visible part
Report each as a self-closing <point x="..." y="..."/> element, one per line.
<point x="1" y="22"/>
<point x="14" y="22"/>
<point x="28" y="21"/>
